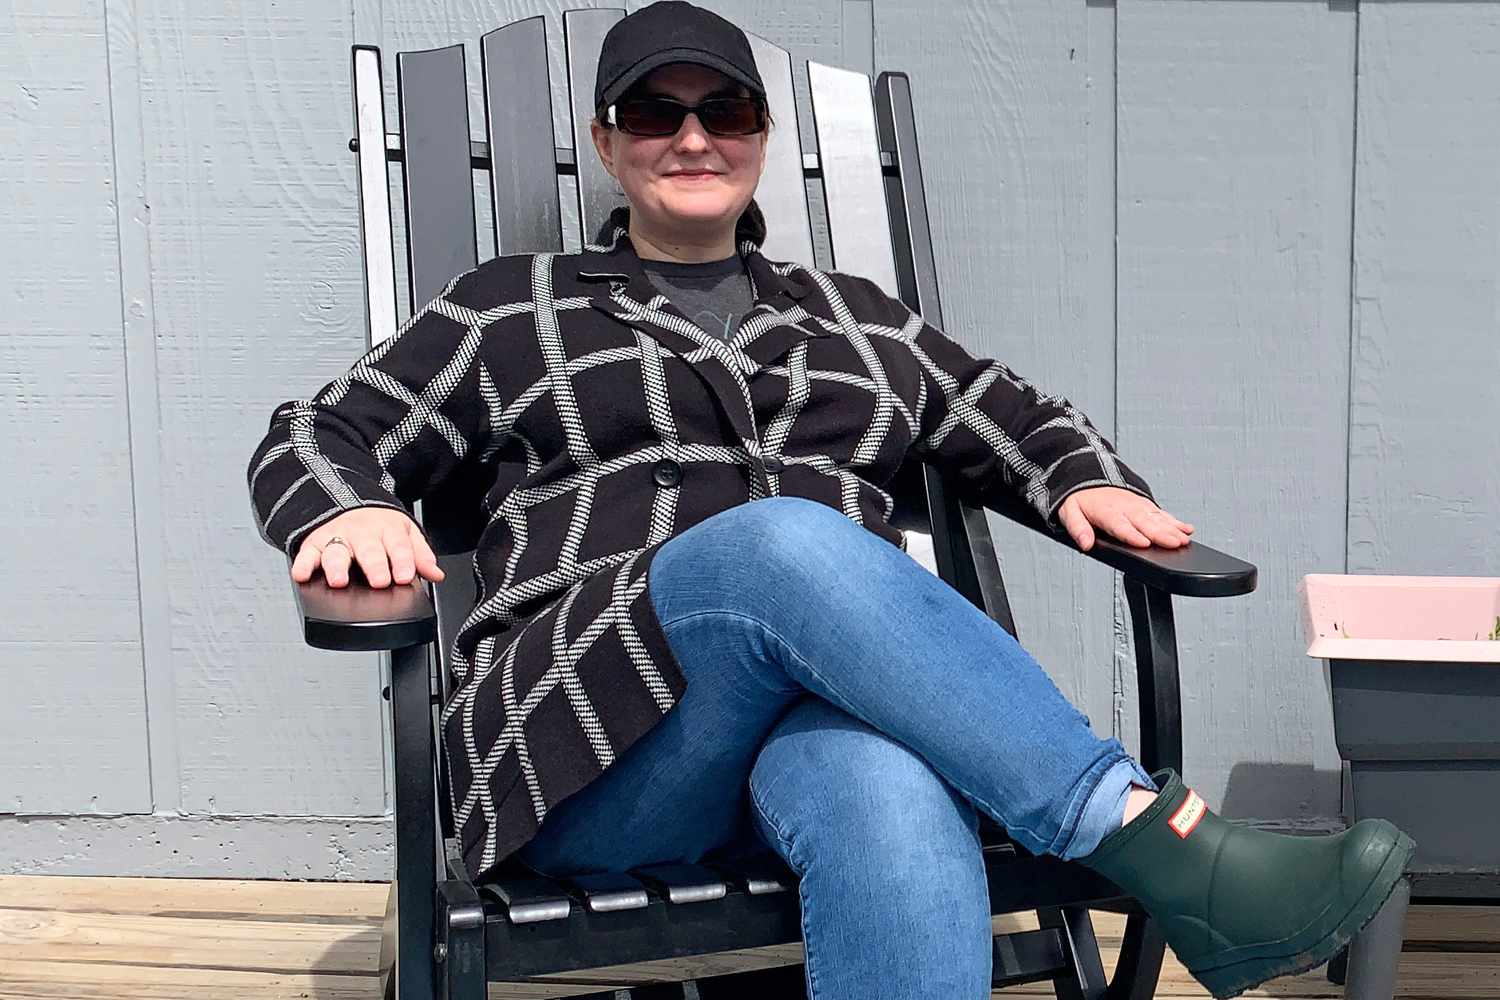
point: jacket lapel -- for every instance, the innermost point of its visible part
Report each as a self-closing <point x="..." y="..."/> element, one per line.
<point x="779" y="320"/>
<point x="775" y="323"/>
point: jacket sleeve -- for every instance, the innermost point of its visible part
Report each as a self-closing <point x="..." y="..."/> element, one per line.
<point x="996" y="431"/>
<point x="384" y="434"/>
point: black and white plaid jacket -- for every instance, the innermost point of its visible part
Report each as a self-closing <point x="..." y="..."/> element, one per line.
<point x="608" y="423"/>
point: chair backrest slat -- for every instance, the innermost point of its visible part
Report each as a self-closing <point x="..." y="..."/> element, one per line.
<point x="958" y="534"/>
<point x="782" y="193"/>
<point x="916" y="271"/>
<point x="374" y="194"/>
<point x="518" y="116"/>
<point x="438" y="179"/>
<point x="438" y="182"/>
<point x="859" y="229"/>
<point x="583" y="34"/>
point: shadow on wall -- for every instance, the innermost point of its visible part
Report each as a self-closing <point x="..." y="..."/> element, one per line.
<point x="1283" y="795"/>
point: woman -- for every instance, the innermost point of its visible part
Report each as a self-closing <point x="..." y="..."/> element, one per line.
<point x="670" y="401"/>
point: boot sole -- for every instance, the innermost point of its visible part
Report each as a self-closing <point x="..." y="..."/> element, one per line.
<point x="1231" y="980"/>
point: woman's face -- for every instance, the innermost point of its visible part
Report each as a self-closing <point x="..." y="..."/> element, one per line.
<point x="692" y="184"/>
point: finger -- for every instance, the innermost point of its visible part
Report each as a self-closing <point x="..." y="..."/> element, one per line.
<point x="370" y="553"/>
<point x="1181" y="524"/>
<point x="1164" y="534"/>
<point x="426" y="561"/>
<point x="1072" y="518"/>
<point x="1162" y="528"/>
<point x="306" y="561"/>
<point x="398" y="549"/>
<point x="335" y="560"/>
<point x="1123" y="528"/>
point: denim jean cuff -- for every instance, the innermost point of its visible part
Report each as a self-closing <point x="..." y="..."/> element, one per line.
<point x="1105" y="809"/>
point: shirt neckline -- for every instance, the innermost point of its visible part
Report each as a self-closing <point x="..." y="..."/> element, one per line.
<point x="696" y="269"/>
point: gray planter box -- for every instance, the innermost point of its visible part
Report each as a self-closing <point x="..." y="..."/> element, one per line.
<point x="1415" y="684"/>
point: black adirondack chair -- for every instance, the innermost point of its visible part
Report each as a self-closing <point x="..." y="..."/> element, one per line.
<point x="447" y="936"/>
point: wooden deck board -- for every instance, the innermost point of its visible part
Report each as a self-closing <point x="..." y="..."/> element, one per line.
<point x="66" y="938"/>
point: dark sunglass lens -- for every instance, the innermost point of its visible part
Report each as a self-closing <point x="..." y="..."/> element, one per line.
<point x="650" y="117"/>
<point x="731" y="116"/>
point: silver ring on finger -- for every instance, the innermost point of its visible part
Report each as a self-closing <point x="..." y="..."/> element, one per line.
<point x="336" y="540"/>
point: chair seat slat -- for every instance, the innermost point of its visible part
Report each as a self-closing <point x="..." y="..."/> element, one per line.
<point x="530" y="900"/>
<point x="604" y="892"/>
<point x="759" y="874"/>
<point x="682" y="883"/>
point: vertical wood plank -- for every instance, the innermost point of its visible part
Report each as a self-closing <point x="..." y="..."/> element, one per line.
<point x="1099" y="323"/>
<point x="1424" y="483"/>
<point x="1013" y="144"/>
<point x="255" y="257"/>
<point x="138" y="317"/>
<point x="1235" y="152"/>
<point x="859" y="37"/>
<point x="73" y="717"/>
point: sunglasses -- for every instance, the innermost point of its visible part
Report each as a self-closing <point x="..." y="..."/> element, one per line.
<point x="660" y="116"/>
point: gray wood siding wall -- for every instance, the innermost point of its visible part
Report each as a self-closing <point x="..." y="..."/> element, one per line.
<point x="1256" y="240"/>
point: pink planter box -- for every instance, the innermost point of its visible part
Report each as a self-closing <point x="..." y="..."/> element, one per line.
<point x="1426" y="618"/>
<point x="1415" y="684"/>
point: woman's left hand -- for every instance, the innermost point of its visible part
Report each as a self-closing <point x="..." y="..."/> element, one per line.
<point x="1121" y="514"/>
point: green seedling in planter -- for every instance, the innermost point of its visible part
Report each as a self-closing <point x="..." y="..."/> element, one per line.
<point x="1494" y="632"/>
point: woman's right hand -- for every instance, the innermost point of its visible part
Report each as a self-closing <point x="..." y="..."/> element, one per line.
<point x="386" y="543"/>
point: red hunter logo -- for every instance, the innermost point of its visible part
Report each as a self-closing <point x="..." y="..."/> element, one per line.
<point x="1187" y="815"/>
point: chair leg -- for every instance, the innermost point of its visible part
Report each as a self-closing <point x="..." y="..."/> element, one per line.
<point x="459" y="952"/>
<point x="416" y="822"/>
<point x="1084" y="979"/>
<point x="1338" y="968"/>
<point x="388" y="932"/>
<point x="1141" y="952"/>
<point x="1375" y="952"/>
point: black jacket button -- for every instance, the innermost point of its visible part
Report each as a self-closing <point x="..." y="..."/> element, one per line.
<point x="667" y="473"/>
<point x="773" y="464"/>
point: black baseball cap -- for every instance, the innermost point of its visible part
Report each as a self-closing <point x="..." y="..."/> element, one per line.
<point x="671" y="31"/>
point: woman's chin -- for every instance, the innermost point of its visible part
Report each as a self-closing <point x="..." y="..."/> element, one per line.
<point x="699" y="207"/>
<point x="704" y="221"/>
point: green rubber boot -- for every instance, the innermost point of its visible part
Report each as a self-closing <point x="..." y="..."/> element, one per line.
<point x="1239" y="906"/>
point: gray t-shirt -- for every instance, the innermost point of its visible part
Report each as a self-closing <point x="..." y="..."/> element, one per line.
<point x="713" y="294"/>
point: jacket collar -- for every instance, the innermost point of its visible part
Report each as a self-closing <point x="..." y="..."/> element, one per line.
<point x="612" y="262"/>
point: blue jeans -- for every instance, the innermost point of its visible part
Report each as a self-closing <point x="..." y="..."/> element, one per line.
<point x="856" y="710"/>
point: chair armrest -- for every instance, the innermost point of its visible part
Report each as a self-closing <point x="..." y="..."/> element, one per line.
<point x="1195" y="570"/>
<point x="359" y="617"/>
